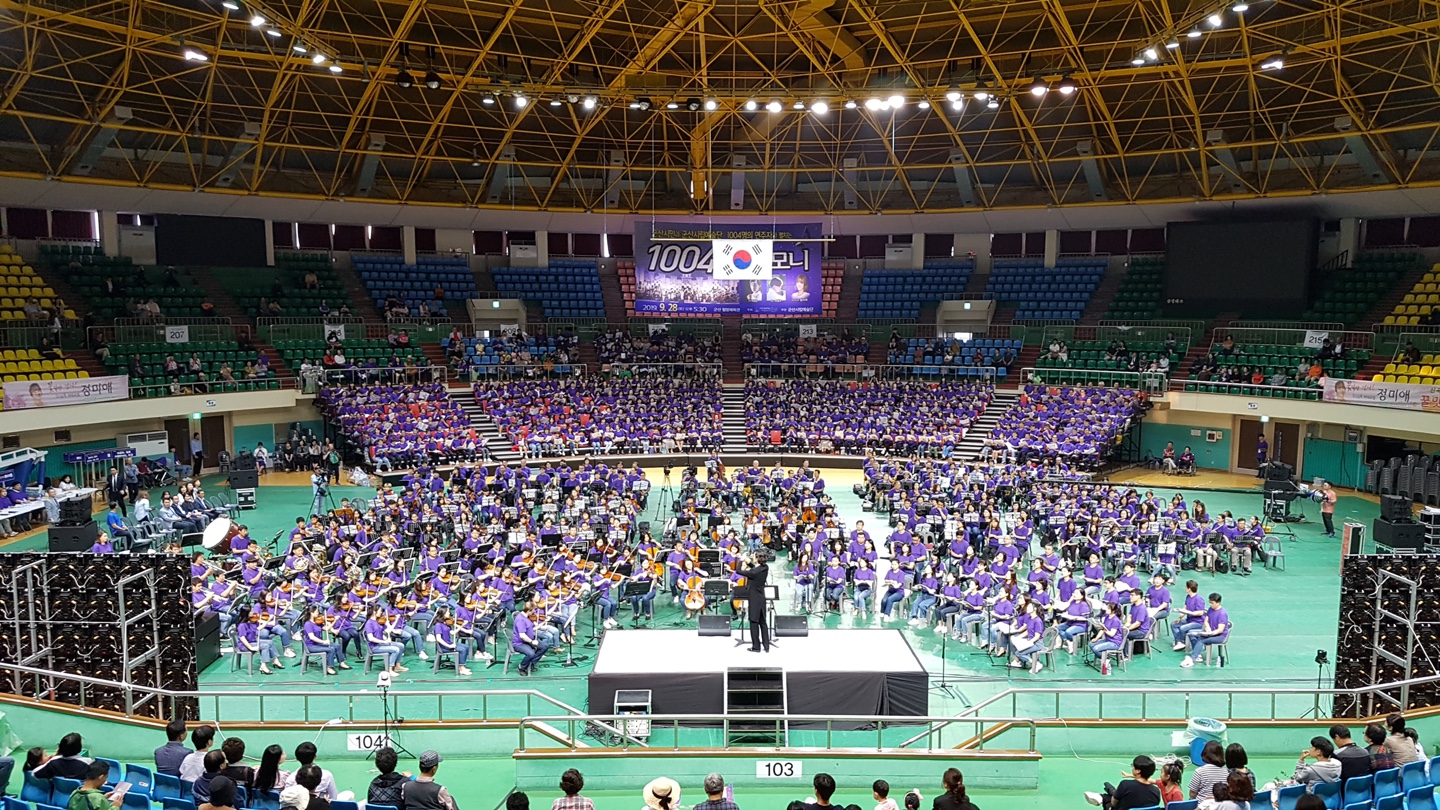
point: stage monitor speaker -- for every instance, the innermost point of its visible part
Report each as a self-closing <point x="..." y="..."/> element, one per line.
<point x="74" y="538"/>
<point x="1279" y="471"/>
<point x="244" y="479"/>
<point x="715" y="626"/>
<point x="1395" y="508"/>
<point x="75" y="512"/>
<point x="791" y="627"/>
<point x="1399" y="536"/>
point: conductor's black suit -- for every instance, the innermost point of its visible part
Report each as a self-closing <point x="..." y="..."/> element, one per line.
<point x="755" y="579"/>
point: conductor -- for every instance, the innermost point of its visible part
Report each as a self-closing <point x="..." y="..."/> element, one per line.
<point x="755" y="578"/>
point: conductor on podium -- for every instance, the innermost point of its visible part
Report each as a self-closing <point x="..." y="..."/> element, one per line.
<point x="755" y="578"/>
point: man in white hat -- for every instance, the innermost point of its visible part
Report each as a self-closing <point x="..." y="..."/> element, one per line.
<point x="294" y="798"/>
<point x="424" y="793"/>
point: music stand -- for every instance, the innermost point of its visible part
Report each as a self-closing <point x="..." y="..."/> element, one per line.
<point x="634" y="589"/>
<point x="717" y="591"/>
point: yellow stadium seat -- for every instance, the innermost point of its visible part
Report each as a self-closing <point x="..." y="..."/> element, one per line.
<point x="29" y="354"/>
<point x="1389" y="368"/>
<point x="84" y="375"/>
<point x="1412" y="310"/>
<point x="1389" y="320"/>
<point x="1408" y="299"/>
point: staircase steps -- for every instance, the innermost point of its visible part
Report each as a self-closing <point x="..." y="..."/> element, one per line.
<point x="495" y="444"/>
<point x="730" y="348"/>
<point x="754" y="699"/>
<point x="732" y="399"/>
<point x="974" y="442"/>
<point x="1103" y="296"/>
<point x="613" y="296"/>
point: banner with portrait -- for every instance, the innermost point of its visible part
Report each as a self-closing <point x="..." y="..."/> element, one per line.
<point x="739" y="268"/>
<point x="48" y="393"/>
<point x="1383" y="394"/>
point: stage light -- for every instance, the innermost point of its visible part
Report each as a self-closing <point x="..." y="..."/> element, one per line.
<point x="336" y="69"/>
<point x="192" y="55"/>
<point x="711" y="105"/>
<point x="850" y="104"/>
<point x="1193" y="33"/>
<point x="318" y="59"/>
<point x="896" y="101"/>
<point x="873" y="104"/>
<point x="1152" y="54"/>
<point x="820" y="107"/>
<point x="1171" y="44"/>
<point x="775" y="106"/>
<point x="257" y="21"/>
<point x="954" y="95"/>
<point x="750" y="105"/>
<point x="1039" y="87"/>
<point x="1215" y="20"/>
<point x="589" y="102"/>
<point x="404" y="79"/>
<point x="923" y="104"/>
<point x="1067" y="85"/>
<point x="432" y="80"/>
<point x="521" y="101"/>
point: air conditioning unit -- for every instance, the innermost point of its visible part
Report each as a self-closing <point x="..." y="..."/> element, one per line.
<point x="10" y="442"/>
<point x="155" y="443"/>
<point x="62" y="436"/>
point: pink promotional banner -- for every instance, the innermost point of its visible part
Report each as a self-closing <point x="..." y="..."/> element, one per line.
<point x="49" y="393"/>
<point x="1383" y="394"/>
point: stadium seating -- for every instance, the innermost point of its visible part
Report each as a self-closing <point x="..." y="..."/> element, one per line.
<point x="87" y="274"/>
<point x="933" y="352"/>
<point x="1292" y="390"/>
<point x="1273" y="357"/>
<point x="568" y="288"/>
<point x="214" y="355"/>
<point x="19" y="283"/>
<point x="1091" y="354"/>
<point x="26" y="364"/>
<point x="1046" y="293"/>
<point x="899" y="294"/>
<point x="1425" y="372"/>
<point x="485" y="356"/>
<point x="356" y="351"/>
<point x="1347" y="295"/>
<point x="285" y="284"/>
<point x="1422" y="300"/>
<point x="415" y="284"/>
<point x="1140" y="294"/>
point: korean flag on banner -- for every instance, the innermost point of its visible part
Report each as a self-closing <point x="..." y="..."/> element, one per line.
<point x="740" y="259"/>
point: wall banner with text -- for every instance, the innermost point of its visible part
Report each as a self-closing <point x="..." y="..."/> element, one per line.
<point x="1384" y="394"/>
<point x="45" y="393"/>
<point x="675" y="268"/>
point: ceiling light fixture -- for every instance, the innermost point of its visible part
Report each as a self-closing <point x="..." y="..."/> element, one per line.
<point x="672" y="105"/>
<point x="432" y="80"/>
<point x="521" y="101"/>
<point x="555" y="102"/>
<point x="192" y="55"/>
<point x="257" y="21"/>
<point x="981" y="93"/>
<point x="798" y="105"/>
<point x="954" y="95"/>
<point x="336" y="69"/>
<point x="923" y="104"/>
<point x="958" y="104"/>
<point x="693" y="104"/>
<point x="1138" y="60"/>
<point x="589" y="102"/>
<point x="1241" y="7"/>
<point x="298" y="48"/>
<point x="1152" y="54"/>
<point x="1215" y="20"/>
<point x="874" y="104"/>
<point x="318" y="58"/>
<point x="750" y="105"/>
<point x="404" y="79"/>
<point x="775" y="106"/>
<point x="1039" y="87"/>
<point x="1171" y="44"/>
<point x="896" y="101"/>
<point x="993" y="103"/>
<point x="711" y="105"/>
<point x="850" y="104"/>
<point x="1273" y="63"/>
<point x="273" y="32"/>
<point x="487" y="99"/>
<point x="1067" y="85"/>
<point x="1193" y="33"/>
<point x="820" y="106"/>
<point x="643" y="104"/>
<point x="231" y="5"/>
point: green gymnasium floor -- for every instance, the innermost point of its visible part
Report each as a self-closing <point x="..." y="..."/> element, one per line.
<point x="1281" y="617"/>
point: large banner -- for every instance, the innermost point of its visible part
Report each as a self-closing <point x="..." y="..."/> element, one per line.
<point x="1383" y="394"/>
<point x="48" y="393"/>
<point x="677" y="269"/>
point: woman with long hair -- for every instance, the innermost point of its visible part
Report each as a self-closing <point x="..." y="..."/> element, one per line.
<point x="269" y="776"/>
<point x="954" y="797"/>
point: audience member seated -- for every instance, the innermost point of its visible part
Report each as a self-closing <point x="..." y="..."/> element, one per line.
<point x="400" y="425"/>
<point x="826" y="348"/>
<point x="1078" y="424"/>
<point x="853" y="418"/>
<point x="951" y="351"/>
<point x="509" y="354"/>
<point x="657" y="347"/>
<point x="586" y="414"/>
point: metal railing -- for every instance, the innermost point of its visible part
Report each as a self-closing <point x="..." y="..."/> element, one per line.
<point x="1306" y="326"/>
<point x="640" y="326"/>
<point x="1196" y="327"/>
<point x="207" y="330"/>
<point x="24" y="336"/>
<point x="385" y="375"/>
<point x="798" y="371"/>
<point x="1195" y="386"/>
<point x="1290" y="337"/>
<point x="211" y="387"/>
<point x="644" y="368"/>
<point x="858" y="734"/>
<point x="940" y="372"/>
<point x="523" y="371"/>
<point x="1138" y="380"/>
<point x="1149" y="334"/>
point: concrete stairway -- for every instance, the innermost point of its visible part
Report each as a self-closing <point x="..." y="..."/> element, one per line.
<point x="974" y="442"/>
<point x="733" y="418"/>
<point x="485" y="428"/>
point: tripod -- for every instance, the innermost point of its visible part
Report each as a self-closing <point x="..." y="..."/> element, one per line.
<point x="1320" y="662"/>
<point x="386" y="721"/>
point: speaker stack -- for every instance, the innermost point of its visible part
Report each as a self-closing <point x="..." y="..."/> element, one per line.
<point x="1370" y="653"/>
<point x="1396" y="530"/>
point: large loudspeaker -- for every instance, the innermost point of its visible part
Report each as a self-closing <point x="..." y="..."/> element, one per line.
<point x="791" y="627"/>
<point x="1279" y="471"/>
<point x="75" y="511"/>
<point x="244" y="479"/>
<point x="1395" y="508"/>
<point x="1407" y="536"/>
<point x="715" y="626"/>
<point x="74" y="538"/>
